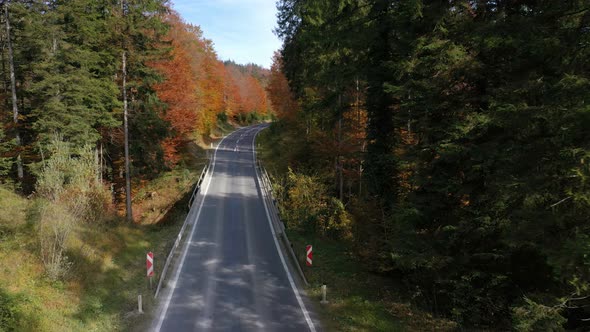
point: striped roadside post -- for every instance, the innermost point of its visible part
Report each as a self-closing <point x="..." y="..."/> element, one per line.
<point x="150" y="266"/>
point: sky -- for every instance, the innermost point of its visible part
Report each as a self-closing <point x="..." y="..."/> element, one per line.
<point x="241" y="30"/>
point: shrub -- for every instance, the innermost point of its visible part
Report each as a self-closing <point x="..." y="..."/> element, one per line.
<point x="222" y="118"/>
<point x="310" y="208"/>
<point x="338" y="222"/>
<point x="533" y="316"/>
<point x="68" y="180"/>
<point x="9" y="312"/>
<point x="55" y="227"/>
<point x="5" y="146"/>
<point x="306" y="197"/>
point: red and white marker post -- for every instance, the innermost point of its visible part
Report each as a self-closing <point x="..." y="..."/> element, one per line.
<point x="309" y="254"/>
<point x="150" y="266"/>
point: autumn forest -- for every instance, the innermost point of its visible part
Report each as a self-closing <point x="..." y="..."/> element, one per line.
<point x="441" y="146"/>
<point x="66" y="59"/>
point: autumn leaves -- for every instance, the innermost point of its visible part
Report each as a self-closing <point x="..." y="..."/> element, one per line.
<point x="197" y="86"/>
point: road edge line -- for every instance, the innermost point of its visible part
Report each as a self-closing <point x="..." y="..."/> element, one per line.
<point x="274" y="236"/>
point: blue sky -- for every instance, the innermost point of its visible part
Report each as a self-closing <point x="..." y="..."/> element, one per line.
<point x="241" y="30"/>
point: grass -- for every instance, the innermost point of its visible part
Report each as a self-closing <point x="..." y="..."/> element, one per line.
<point x="108" y="260"/>
<point x="354" y="295"/>
<point x="359" y="300"/>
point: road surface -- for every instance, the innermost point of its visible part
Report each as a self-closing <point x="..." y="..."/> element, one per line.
<point x="231" y="277"/>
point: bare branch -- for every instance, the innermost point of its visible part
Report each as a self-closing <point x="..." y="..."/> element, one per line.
<point x="563" y="200"/>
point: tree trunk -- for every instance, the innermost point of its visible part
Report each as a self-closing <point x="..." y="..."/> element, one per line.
<point x="340" y="166"/>
<point x="339" y="160"/>
<point x="101" y="165"/>
<point x="126" y="130"/>
<point x="358" y="120"/>
<point x="19" y="163"/>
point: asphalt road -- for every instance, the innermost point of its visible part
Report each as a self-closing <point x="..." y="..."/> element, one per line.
<point x="231" y="277"/>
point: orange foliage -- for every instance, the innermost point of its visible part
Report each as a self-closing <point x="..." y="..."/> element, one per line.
<point x="281" y="98"/>
<point x="177" y="90"/>
<point x="211" y="85"/>
<point x="197" y="86"/>
<point x="249" y="92"/>
<point x="233" y="100"/>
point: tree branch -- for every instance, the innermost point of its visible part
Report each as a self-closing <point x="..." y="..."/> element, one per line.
<point x="563" y="200"/>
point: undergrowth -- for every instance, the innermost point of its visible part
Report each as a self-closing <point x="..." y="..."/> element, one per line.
<point x="97" y="289"/>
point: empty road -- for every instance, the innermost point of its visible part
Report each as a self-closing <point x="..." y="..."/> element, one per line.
<point x="231" y="277"/>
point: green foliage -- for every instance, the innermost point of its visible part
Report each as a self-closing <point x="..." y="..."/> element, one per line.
<point x="71" y="178"/>
<point x="250" y="118"/>
<point x="533" y="316"/>
<point x="10" y="315"/>
<point x="5" y="161"/>
<point x="69" y="182"/>
<point x="310" y="209"/>
<point x="68" y="63"/>
<point x="476" y="161"/>
<point x="74" y="93"/>
<point x="222" y="118"/>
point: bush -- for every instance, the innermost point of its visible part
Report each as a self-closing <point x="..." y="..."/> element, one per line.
<point x="55" y="227"/>
<point x="311" y="209"/>
<point x="68" y="180"/>
<point x="338" y="222"/>
<point x="533" y="316"/>
<point x="9" y="313"/>
<point x="306" y="197"/>
<point x="222" y="118"/>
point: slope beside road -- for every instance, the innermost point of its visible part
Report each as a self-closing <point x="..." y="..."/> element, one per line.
<point x="231" y="275"/>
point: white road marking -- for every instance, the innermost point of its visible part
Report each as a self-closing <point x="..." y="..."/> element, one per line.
<point x="187" y="245"/>
<point x="274" y="236"/>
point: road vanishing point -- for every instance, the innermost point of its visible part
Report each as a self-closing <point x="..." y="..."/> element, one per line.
<point x="232" y="274"/>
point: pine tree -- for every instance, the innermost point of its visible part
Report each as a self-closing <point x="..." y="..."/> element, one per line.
<point x="74" y="92"/>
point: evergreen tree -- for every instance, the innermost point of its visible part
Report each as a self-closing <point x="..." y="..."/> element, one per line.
<point x="5" y="161"/>
<point x="139" y="30"/>
<point x="477" y="143"/>
<point x="74" y="91"/>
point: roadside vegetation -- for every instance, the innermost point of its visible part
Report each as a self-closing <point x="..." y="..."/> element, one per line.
<point x="70" y="263"/>
<point x="359" y="299"/>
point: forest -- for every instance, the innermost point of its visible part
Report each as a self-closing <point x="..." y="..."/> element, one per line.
<point x="106" y="109"/>
<point x="447" y="142"/>
<point x="76" y="69"/>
